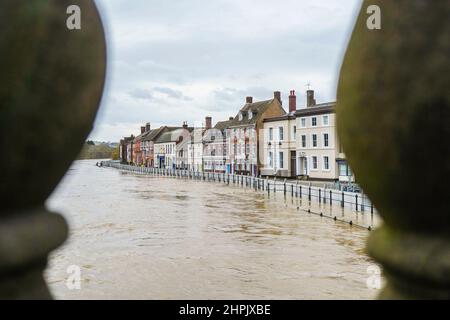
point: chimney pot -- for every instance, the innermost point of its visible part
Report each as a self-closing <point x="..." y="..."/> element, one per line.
<point x="310" y="101"/>
<point x="208" y="123"/>
<point x="292" y="102"/>
<point x="277" y="95"/>
<point x="231" y="118"/>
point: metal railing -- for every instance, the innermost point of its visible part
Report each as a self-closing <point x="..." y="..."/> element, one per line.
<point x="356" y="202"/>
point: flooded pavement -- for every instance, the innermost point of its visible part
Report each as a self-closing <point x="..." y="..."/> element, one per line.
<point x="146" y="237"/>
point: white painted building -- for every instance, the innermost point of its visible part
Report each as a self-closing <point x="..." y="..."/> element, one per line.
<point x="216" y="147"/>
<point x="170" y="149"/>
<point x="279" y="157"/>
<point x="319" y="153"/>
<point x="304" y="143"/>
<point x="195" y="150"/>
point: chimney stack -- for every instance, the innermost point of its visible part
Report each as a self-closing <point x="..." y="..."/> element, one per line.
<point x="208" y="123"/>
<point x="292" y="101"/>
<point x="277" y="95"/>
<point x="310" y="101"/>
<point x="249" y="100"/>
<point x="147" y="127"/>
<point x="231" y="118"/>
<point x="185" y="126"/>
<point x="142" y="130"/>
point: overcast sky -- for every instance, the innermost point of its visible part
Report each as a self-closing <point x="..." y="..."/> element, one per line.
<point x="175" y="61"/>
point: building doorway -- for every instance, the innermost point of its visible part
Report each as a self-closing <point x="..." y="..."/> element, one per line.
<point x="293" y="163"/>
<point x="303" y="166"/>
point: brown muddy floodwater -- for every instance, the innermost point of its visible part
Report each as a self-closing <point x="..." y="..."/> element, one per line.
<point x="144" y="237"/>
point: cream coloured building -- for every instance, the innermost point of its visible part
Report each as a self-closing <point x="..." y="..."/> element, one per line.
<point x="170" y="148"/>
<point x="304" y="143"/>
<point x="319" y="153"/>
<point x="195" y="150"/>
<point x="279" y="147"/>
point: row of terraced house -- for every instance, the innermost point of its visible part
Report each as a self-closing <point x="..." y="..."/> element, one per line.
<point x="262" y="139"/>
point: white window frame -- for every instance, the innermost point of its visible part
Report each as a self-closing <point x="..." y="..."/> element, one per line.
<point x="281" y="159"/>
<point x="323" y="120"/>
<point x="270" y="134"/>
<point x="281" y="133"/>
<point x="294" y="133"/>
<point x="312" y="140"/>
<point x="312" y="163"/>
<point x="312" y="122"/>
<point x="323" y="163"/>
<point x="328" y="140"/>
<point x="301" y="142"/>
<point x="302" y="122"/>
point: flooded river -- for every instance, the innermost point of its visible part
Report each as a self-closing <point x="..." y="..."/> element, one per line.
<point x="145" y="237"/>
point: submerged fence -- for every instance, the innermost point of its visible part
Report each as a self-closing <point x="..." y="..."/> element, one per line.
<point x="357" y="202"/>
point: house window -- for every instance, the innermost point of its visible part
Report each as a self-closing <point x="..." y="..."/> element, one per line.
<point x="303" y="141"/>
<point x="281" y="160"/>
<point x="295" y="133"/>
<point x="326" y="142"/>
<point x="314" y="140"/>
<point x="325" y="120"/>
<point x="281" y="133"/>
<point x="270" y="160"/>
<point x="270" y="134"/>
<point x="314" y="162"/>
<point x="303" y="122"/>
<point x="326" y="163"/>
<point x="314" y="121"/>
<point x="343" y="172"/>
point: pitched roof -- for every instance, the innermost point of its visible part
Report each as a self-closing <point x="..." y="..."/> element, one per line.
<point x="222" y="125"/>
<point x="257" y="108"/>
<point x="153" y="134"/>
<point x="173" y="135"/>
<point x="139" y="137"/>
<point x="328" y="107"/>
<point x="197" y="135"/>
<point x="128" y="139"/>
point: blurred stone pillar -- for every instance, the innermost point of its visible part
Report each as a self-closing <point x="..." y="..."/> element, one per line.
<point x="51" y="83"/>
<point x="393" y="116"/>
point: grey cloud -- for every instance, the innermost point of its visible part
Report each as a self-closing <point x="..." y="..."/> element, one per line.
<point x="171" y="93"/>
<point x="233" y="94"/>
<point x="180" y="60"/>
<point x="141" y="94"/>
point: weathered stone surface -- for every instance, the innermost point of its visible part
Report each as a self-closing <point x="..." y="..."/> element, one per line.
<point x="51" y="83"/>
<point x="393" y="114"/>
